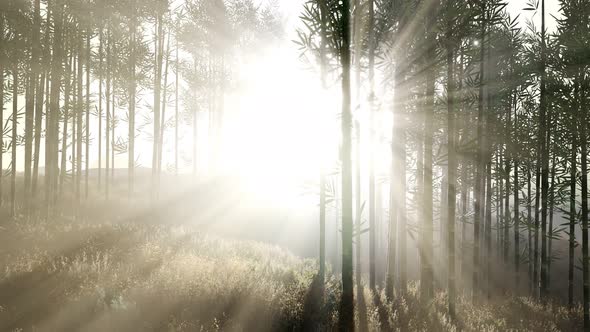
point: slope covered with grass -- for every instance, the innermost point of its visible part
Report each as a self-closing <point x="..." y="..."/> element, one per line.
<point x="124" y="277"/>
<point x="64" y="276"/>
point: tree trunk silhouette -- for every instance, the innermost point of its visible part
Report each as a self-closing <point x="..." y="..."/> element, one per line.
<point x="544" y="138"/>
<point x="2" y="147"/>
<point x="551" y="208"/>
<point x="33" y="78"/>
<point x="584" y="192"/>
<point x="322" y="188"/>
<point x="507" y="170"/>
<point x="53" y="123"/>
<point x="79" y="112"/>
<point x="176" y="109"/>
<point x="66" y="112"/>
<point x="41" y="93"/>
<point x="346" y="317"/>
<point x="371" y="106"/>
<point x="573" y="213"/>
<point x="87" y="120"/>
<point x="427" y="273"/>
<point x="132" y="92"/>
<point x="536" y="235"/>
<point x="14" y="138"/>
<point x="113" y="128"/>
<point x="164" y="101"/>
<point x="100" y="97"/>
<point x="157" y="102"/>
<point x="74" y="116"/>
<point x="529" y="203"/>
<point x="452" y="163"/>
<point x="108" y="113"/>
<point x="358" y="210"/>
<point x="516" y="157"/>
<point x="479" y="164"/>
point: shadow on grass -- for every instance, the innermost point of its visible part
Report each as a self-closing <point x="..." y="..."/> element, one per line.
<point x="362" y="310"/>
<point x="382" y="312"/>
<point x="313" y="306"/>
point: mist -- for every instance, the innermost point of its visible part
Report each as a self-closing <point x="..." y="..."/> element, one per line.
<point x="309" y="165"/>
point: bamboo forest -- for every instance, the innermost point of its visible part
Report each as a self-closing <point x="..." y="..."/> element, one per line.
<point x="294" y="165"/>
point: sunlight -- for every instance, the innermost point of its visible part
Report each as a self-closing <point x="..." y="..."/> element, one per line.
<point x="281" y="128"/>
<point x="294" y="165"/>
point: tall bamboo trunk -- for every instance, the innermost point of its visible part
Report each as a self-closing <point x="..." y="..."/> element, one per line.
<point x="401" y="208"/>
<point x="545" y="133"/>
<point x="108" y="115"/>
<point x="132" y="97"/>
<point x="490" y="97"/>
<point x="443" y="212"/>
<point x="394" y="203"/>
<point x="53" y="122"/>
<point x="100" y="97"/>
<point x="573" y="212"/>
<point x="451" y="167"/>
<point x="195" y="134"/>
<point x="507" y="170"/>
<point x="358" y="35"/>
<point x="164" y="102"/>
<point x="551" y="210"/>
<point x="394" y="172"/>
<point x="529" y="216"/>
<point x="87" y="120"/>
<point x="516" y="207"/>
<point x="347" y="302"/>
<point x="584" y="161"/>
<point x="33" y="79"/>
<point x="14" y="138"/>
<point x="536" y="233"/>
<point x="66" y="111"/>
<point x="176" y="108"/>
<point x="157" y="103"/>
<point x="488" y="228"/>
<point x="464" y="174"/>
<point x="500" y="201"/>
<point x="479" y="175"/>
<point x="2" y="59"/>
<point x="322" y="188"/>
<point x="372" y="225"/>
<point x="79" y="113"/>
<point x="426" y="259"/>
<point x="43" y="91"/>
<point x="427" y="274"/>
<point x="74" y="117"/>
<point x="113" y="128"/>
<point x="38" y="132"/>
<point x="420" y="182"/>
<point x="358" y="208"/>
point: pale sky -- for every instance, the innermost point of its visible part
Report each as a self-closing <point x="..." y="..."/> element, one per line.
<point x="277" y="79"/>
<point x="293" y="7"/>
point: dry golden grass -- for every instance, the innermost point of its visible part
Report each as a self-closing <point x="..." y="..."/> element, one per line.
<point x="63" y="276"/>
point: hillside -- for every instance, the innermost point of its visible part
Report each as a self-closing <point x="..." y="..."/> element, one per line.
<point x="59" y="277"/>
<point x="62" y="276"/>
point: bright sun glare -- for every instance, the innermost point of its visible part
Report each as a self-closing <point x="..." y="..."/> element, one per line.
<point x="280" y="128"/>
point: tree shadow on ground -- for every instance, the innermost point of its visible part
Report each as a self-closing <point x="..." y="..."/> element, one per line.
<point x="382" y="312"/>
<point x="362" y="310"/>
<point x="312" y="306"/>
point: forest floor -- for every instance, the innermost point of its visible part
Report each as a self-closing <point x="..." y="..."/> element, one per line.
<point x="69" y="276"/>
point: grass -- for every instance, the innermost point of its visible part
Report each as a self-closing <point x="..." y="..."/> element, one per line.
<point x="67" y="276"/>
<point x="59" y="277"/>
